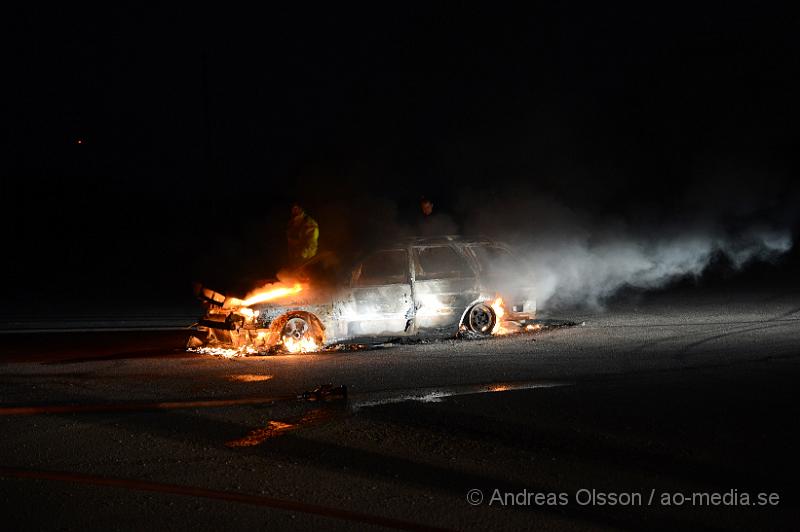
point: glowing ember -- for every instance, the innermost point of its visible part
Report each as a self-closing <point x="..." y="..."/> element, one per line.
<point x="224" y="351"/>
<point x="303" y="345"/>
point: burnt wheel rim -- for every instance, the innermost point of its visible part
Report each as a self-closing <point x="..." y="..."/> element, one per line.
<point x="481" y="319"/>
<point x="295" y="328"/>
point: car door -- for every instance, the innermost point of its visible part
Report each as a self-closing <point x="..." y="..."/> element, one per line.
<point x="380" y="295"/>
<point x="444" y="284"/>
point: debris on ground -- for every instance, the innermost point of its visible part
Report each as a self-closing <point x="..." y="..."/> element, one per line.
<point x="325" y="392"/>
<point x="347" y="347"/>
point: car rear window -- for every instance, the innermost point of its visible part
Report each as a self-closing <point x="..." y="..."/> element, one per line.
<point x="441" y="262"/>
<point x="384" y="267"/>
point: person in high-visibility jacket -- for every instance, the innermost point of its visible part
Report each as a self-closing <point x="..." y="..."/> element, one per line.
<point x="302" y="235"/>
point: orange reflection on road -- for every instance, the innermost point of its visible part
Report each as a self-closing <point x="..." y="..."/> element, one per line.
<point x="258" y="436"/>
<point x="276" y="428"/>
<point x="248" y="377"/>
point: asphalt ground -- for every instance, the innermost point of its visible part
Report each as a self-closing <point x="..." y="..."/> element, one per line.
<point x="680" y="408"/>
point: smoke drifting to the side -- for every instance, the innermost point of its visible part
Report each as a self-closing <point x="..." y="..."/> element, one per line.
<point x="589" y="271"/>
<point x="578" y="259"/>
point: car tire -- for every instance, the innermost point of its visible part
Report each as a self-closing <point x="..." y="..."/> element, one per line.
<point x="480" y="319"/>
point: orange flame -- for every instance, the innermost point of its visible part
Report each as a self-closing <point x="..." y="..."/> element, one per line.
<point x="499" y="312"/>
<point x="303" y="345"/>
<point x="224" y="352"/>
<point x="267" y="293"/>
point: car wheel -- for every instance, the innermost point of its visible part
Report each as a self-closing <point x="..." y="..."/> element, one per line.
<point x="480" y="319"/>
<point x="296" y="328"/>
<point x="301" y="332"/>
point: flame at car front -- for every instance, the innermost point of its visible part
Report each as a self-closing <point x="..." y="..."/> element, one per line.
<point x="233" y="328"/>
<point x="266" y="293"/>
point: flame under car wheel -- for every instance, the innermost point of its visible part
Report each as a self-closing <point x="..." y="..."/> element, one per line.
<point x="480" y="319"/>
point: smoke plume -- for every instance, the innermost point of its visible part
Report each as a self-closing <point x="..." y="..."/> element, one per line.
<point x="579" y="259"/>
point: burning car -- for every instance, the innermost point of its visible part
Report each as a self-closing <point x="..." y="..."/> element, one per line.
<point x="431" y="286"/>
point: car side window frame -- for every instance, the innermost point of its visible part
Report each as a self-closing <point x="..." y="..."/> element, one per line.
<point x="464" y="259"/>
<point x="486" y="248"/>
<point x="355" y="278"/>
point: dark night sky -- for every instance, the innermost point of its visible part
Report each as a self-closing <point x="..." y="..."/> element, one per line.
<point x="198" y="127"/>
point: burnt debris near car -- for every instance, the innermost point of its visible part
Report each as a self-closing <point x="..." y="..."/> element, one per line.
<point x="418" y="287"/>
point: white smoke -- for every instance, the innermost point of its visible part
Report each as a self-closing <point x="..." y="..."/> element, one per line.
<point x="590" y="272"/>
<point x="575" y="260"/>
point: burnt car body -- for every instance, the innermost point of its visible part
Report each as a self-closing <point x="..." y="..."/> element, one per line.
<point x="431" y="286"/>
